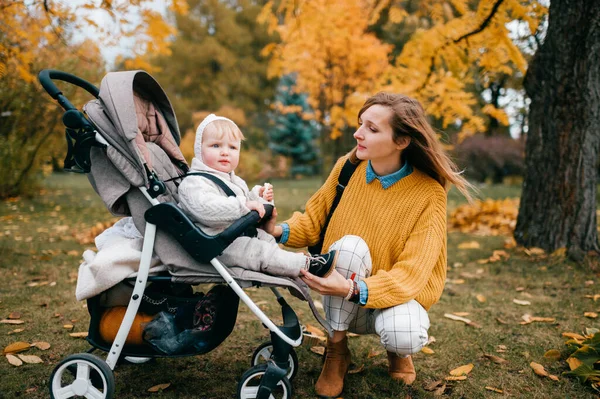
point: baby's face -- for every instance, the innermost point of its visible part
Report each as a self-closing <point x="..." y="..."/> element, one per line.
<point x="222" y="154"/>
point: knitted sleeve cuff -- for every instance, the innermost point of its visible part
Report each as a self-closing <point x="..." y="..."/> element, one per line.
<point x="285" y="234"/>
<point x="364" y="293"/>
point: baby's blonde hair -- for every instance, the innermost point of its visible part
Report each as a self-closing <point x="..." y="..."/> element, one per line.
<point x="223" y="127"/>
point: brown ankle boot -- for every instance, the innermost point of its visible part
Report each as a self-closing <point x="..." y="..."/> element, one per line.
<point x="401" y="368"/>
<point x="337" y="361"/>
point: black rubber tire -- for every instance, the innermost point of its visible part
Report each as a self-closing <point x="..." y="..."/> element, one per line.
<point x="101" y="377"/>
<point x="257" y="358"/>
<point x="251" y="378"/>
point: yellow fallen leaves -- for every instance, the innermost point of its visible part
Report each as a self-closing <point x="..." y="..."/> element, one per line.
<point x="528" y="319"/>
<point x="468" y="245"/>
<point x="496" y="359"/>
<point x="591" y="315"/>
<point x="159" y="387"/>
<point x="497" y="390"/>
<point x="462" y="370"/>
<point x="541" y="371"/>
<point x="427" y="350"/>
<point x="480" y="298"/>
<point x="488" y="218"/>
<point x="19" y="346"/>
<point x="521" y="302"/>
<point x="460" y="318"/>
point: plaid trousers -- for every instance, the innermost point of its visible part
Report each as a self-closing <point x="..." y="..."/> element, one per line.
<point x="402" y="329"/>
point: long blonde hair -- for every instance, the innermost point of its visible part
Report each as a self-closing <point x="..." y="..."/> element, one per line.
<point x="424" y="151"/>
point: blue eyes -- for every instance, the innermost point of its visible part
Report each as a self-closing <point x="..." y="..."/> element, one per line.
<point x="217" y="146"/>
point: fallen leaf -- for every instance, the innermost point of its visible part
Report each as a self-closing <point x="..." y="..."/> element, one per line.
<point x="459" y="378"/>
<point x="14" y="315"/>
<point x="319" y="350"/>
<point x="552" y="354"/>
<point x="433" y="385"/>
<point x="430" y="340"/>
<point x="560" y="252"/>
<point x="357" y="369"/>
<point x="497" y="390"/>
<point x="461" y="314"/>
<point x="79" y="334"/>
<point x="427" y="350"/>
<point x="74" y="253"/>
<point x="589" y="282"/>
<point x="8" y="321"/>
<point x="534" y="251"/>
<point x="538" y="369"/>
<point x="462" y="370"/>
<point x="159" y="387"/>
<point x="15" y="361"/>
<point x="314" y="330"/>
<point x="68" y="326"/>
<point x="528" y="319"/>
<point x="594" y="297"/>
<point x="496" y="359"/>
<point x="17" y="347"/>
<point x="519" y="289"/>
<point x="30" y="359"/>
<point x="573" y="335"/>
<point x="468" y="245"/>
<point x="456" y="318"/>
<point x="522" y="303"/>
<point x="499" y="320"/>
<point x="41" y="345"/>
<point x="439" y="391"/>
<point x="318" y="304"/>
<point x="553" y="377"/>
<point x="480" y="298"/>
<point x="591" y="315"/>
<point x="352" y="335"/>
<point x="374" y="353"/>
<point x="15" y="331"/>
<point x="574" y="363"/>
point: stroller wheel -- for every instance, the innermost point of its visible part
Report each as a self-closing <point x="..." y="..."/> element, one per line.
<point x="263" y="353"/>
<point x="250" y="382"/>
<point x="82" y="375"/>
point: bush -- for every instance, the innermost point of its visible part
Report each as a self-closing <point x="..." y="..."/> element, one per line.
<point x="491" y="158"/>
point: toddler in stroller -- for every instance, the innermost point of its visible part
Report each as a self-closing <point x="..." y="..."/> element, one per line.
<point x="214" y="197"/>
<point x="127" y="144"/>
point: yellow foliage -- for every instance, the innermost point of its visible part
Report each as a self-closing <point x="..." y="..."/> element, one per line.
<point x="25" y="26"/>
<point x="489" y="217"/>
<point x="342" y="65"/>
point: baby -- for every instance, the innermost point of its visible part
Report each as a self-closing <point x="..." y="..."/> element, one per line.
<point x="217" y="151"/>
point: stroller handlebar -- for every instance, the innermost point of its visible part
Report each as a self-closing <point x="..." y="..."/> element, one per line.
<point x="46" y="77"/>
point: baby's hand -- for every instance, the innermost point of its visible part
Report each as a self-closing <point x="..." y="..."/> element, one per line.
<point x="256" y="206"/>
<point x="266" y="192"/>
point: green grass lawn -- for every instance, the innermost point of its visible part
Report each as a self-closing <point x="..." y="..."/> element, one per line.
<point x="39" y="258"/>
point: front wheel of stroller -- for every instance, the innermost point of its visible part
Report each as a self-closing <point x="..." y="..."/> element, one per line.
<point x="82" y="375"/>
<point x="263" y="353"/>
<point x="250" y="382"/>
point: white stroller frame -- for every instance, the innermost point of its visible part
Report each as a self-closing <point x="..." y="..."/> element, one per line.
<point x="281" y="360"/>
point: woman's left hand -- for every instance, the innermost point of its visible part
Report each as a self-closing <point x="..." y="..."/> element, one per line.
<point x="334" y="285"/>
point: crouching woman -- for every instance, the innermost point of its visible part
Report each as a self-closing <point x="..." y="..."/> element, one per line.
<point x="389" y="229"/>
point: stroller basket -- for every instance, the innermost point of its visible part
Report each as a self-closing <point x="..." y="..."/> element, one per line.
<point x="140" y="186"/>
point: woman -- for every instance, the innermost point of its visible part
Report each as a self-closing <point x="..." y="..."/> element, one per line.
<point x="390" y="231"/>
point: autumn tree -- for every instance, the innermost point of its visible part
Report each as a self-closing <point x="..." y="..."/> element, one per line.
<point x="348" y="61"/>
<point x="558" y="203"/>
<point x="215" y="61"/>
<point x="38" y="35"/>
<point x="293" y="134"/>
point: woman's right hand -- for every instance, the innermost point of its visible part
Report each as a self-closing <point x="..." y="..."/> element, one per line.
<point x="333" y="285"/>
<point x="269" y="225"/>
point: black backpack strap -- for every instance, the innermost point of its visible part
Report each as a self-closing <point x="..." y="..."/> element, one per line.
<point x="215" y="180"/>
<point x="343" y="179"/>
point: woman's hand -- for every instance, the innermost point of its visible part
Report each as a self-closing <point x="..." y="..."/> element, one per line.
<point x="334" y="285"/>
<point x="269" y="225"/>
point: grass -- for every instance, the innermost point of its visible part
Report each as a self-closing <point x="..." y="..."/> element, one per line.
<point x="39" y="258"/>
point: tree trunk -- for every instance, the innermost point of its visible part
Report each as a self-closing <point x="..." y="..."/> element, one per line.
<point x="558" y="203"/>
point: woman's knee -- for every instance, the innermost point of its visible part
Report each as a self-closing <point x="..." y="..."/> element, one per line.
<point x="354" y="256"/>
<point x="403" y="328"/>
<point x="404" y="342"/>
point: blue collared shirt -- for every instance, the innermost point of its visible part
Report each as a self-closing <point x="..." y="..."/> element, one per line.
<point x="386" y="182"/>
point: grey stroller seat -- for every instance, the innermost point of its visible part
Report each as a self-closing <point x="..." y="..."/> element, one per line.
<point x="134" y="169"/>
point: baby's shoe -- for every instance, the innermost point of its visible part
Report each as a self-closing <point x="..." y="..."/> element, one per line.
<point x="322" y="265"/>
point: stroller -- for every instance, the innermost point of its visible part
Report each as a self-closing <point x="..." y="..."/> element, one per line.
<point x="135" y="173"/>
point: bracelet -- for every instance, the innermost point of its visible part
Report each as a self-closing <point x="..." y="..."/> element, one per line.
<point x="355" y="297"/>
<point x="350" y="290"/>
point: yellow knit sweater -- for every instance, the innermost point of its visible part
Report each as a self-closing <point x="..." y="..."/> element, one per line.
<point x="403" y="225"/>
